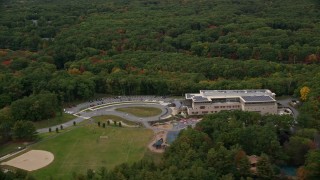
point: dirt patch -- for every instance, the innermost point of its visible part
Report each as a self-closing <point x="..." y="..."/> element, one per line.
<point x="164" y="126"/>
<point x="158" y="136"/>
<point x="31" y="160"/>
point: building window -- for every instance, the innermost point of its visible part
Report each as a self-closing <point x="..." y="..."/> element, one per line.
<point x="204" y="112"/>
<point x="202" y="107"/>
<point x="216" y="107"/>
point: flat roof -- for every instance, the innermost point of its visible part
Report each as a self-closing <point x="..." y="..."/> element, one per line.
<point x="189" y="96"/>
<point x="250" y="95"/>
<point x="257" y="99"/>
<point x="200" y="99"/>
<point x="246" y="92"/>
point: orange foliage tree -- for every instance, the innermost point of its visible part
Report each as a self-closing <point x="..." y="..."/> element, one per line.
<point x="304" y="91"/>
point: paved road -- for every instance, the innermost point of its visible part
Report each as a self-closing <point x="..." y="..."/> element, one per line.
<point x="110" y="110"/>
<point x="285" y="103"/>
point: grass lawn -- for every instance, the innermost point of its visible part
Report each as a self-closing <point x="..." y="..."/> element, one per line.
<point x="10" y="147"/>
<point x="81" y="148"/>
<point x="54" y="121"/>
<point x="104" y="119"/>
<point x="141" y="111"/>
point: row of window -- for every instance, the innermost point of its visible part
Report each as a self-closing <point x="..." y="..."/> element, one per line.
<point x="205" y="112"/>
<point x="216" y="107"/>
<point x="236" y="106"/>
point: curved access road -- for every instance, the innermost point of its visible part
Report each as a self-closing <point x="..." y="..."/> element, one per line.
<point x="286" y="103"/>
<point x="110" y="109"/>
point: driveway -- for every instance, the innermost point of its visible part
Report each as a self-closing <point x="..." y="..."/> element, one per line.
<point x="111" y="110"/>
<point x="285" y="103"/>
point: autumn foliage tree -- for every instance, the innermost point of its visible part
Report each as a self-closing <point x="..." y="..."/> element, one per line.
<point x="304" y="92"/>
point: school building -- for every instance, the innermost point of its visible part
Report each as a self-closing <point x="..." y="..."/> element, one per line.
<point x="212" y="101"/>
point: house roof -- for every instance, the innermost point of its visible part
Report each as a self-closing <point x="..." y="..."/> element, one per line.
<point x="253" y="159"/>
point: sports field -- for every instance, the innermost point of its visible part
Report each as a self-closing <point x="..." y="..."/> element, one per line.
<point x="141" y="111"/>
<point x="92" y="147"/>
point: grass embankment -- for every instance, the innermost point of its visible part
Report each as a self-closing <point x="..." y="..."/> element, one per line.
<point x="54" y="121"/>
<point x="105" y="118"/>
<point x="141" y="111"/>
<point x="10" y="147"/>
<point x="92" y="147"/>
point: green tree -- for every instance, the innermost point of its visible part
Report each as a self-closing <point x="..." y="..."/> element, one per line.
<point x="221" y="160"/>
<point x="312" y="165"/>
<point x="6" y="124"/>
<point x="24" y="130"/>
<point x="264" y="168"/>
<point x="296" y="149"/>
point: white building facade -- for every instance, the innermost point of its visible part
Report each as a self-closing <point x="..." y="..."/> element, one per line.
<point x="213" y="101"/>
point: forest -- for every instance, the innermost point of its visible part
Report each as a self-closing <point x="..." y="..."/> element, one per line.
<point x="54" y="52"/>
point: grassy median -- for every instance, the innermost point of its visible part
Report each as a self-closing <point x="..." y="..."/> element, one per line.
<point x="141" y="111"/>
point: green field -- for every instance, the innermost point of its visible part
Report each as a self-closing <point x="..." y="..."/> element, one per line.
<point x="54" y="121"/>
<point x="82" y="148"/>
<point x="105" y="118"/>
<point x="141" y="111"/>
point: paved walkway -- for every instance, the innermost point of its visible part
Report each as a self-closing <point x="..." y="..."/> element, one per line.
<point x="109" y="109"/>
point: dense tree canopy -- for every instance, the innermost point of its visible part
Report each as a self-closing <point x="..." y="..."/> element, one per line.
<point x="56" y="52"/>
